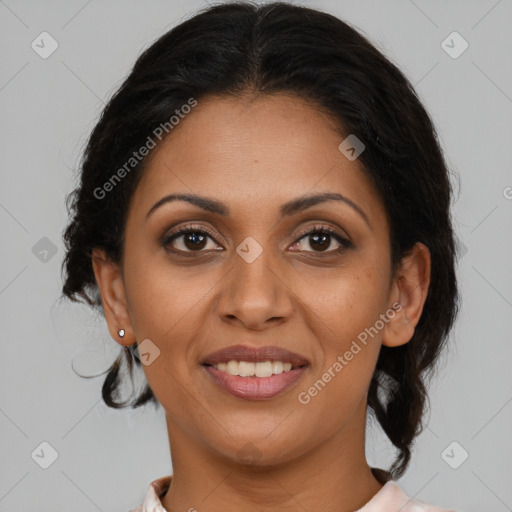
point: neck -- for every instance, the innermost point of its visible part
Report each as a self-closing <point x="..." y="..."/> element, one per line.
<point x="332" y="476"/>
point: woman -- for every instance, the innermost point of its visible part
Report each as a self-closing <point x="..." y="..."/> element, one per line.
<point x="263" y="219"/>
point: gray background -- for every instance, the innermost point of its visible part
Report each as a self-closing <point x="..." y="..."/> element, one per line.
<point x="106" y="458"/>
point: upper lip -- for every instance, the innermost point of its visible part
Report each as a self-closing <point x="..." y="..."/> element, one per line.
<point x="255" y="355"/>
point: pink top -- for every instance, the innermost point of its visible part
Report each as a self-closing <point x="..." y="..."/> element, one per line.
<point x="389" y="499"/>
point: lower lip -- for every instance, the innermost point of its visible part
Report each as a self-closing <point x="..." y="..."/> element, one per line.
<point x="256" y="388"/>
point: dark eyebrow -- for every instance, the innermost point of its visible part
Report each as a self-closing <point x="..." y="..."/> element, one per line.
<point x="290" y="208"/>
<point x="205" y="203"/>
<point x="305" y="202"/>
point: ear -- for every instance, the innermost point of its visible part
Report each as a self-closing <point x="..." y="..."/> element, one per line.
<point x="408" y="294"/>
<point x="110" y="283"/>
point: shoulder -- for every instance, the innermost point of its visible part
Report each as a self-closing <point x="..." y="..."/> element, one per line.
<point x="392" y="498"/>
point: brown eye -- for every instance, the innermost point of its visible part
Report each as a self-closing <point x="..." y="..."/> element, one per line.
<point x="190" y="240"/>
<point x="321" y="240"/>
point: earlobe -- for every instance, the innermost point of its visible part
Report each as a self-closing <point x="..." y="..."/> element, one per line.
<point x="409" y="291"/>
<point x="111" y="285"/>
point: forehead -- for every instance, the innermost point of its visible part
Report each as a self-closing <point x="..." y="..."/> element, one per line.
<point x="264" y="150"/>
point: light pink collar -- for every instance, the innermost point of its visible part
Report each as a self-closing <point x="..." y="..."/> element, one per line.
<point x="390" y="498"/>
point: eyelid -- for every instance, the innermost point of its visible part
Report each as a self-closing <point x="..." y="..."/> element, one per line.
<point x="183" y="229"/>
<point x="190" y="227"/>
<point x="328" y="229"/>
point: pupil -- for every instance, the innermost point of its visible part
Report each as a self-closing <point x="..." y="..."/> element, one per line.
<point x="320" y="241"/>
<point x="195" y="240"/>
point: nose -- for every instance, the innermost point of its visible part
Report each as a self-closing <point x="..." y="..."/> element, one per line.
<point x="255" y="295"/>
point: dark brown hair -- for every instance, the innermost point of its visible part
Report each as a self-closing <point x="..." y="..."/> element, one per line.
<point x="238" y="48"/>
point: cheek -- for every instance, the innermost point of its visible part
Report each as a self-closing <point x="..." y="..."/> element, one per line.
<point x="346" y="302"/>
<point x="165" y="299"/>
<point x="167" y="306"/>
<point x="344" y="318"/>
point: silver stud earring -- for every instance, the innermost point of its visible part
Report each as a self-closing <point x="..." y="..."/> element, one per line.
<point x="121" y="333"/>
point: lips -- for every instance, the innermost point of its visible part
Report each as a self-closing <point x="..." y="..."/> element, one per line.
<point x="253" y="387"/>
<point x="254" y="355"/>
<point x="256" y="388"/>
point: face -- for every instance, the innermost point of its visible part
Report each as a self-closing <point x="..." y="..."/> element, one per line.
<point x="261" y="263"/>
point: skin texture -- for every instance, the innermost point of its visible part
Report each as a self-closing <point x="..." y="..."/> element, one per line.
<point x="253" y="155"/>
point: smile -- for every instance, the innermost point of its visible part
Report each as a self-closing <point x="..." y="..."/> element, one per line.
<point x="250" y="369"/>
<point x="255" y="381"/>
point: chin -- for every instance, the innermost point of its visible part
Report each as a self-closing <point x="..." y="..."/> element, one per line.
<point x="261" y="450"/>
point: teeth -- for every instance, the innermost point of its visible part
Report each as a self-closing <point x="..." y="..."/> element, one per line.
<point x="247" y="369"/>
<point x="263" y="369"/>
<point x="277" y="367"/>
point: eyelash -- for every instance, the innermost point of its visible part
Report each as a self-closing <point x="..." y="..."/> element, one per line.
<point x="316" y="230"/>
